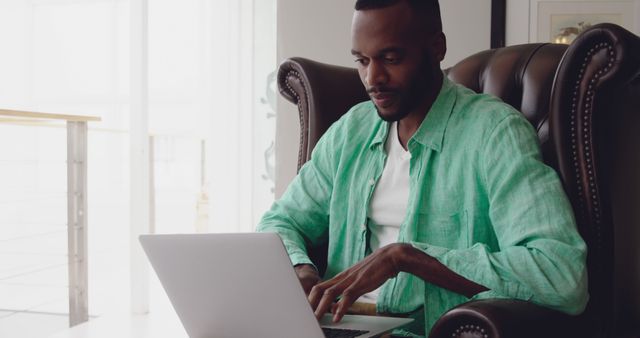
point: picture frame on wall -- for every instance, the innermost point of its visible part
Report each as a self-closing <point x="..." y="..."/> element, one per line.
<point x="563" y="21"/>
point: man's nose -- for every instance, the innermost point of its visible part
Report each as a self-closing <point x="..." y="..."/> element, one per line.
<point x="376" y="74"/>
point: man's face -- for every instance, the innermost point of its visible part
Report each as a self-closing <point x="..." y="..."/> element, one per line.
<point x="398" y="62"/>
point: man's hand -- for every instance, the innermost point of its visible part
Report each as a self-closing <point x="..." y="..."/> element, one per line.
<point x="354" y="282"/>
<point x="376" y="269"/>
<point x="308" y="276"/>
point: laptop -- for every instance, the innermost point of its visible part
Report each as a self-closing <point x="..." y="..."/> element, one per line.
<point x="242" y="286"/>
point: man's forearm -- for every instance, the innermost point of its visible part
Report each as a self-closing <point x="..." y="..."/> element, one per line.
<point x="411" y="260"/>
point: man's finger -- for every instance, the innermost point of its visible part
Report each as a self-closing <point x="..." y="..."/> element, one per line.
<point x="327" y="299"/>
<point x="349" y="296"/>
<point x="307" y="285"/>
<point x="317" y="291"/>
<point x="334" y="306"/>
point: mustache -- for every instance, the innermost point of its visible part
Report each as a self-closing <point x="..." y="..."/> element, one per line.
<point x="380" y="89"/>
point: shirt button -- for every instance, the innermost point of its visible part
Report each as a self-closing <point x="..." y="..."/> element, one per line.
<point x="372" y="182"/>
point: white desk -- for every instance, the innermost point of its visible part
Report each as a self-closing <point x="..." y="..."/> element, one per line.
<point x="153" y="325"/>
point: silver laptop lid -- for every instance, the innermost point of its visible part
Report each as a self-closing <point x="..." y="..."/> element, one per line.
<point x="228" y="285"/>
<point x="239" y="286"/>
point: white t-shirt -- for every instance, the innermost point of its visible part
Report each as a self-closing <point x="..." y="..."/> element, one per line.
<point x="388" y="204"/>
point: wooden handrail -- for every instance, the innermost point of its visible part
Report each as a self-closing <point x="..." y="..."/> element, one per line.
<point x="47" y="116"/>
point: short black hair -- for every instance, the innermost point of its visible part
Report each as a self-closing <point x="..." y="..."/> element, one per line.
<point x="429" y="8"/>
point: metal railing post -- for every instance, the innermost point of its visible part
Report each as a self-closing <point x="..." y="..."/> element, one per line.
<point x="77" y="221"/>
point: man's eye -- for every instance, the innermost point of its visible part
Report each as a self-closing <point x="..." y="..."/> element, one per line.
<point x="391" y="61"/>
<point x="360" y="61"/>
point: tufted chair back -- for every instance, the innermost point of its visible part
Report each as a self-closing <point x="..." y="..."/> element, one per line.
<point x="521" y="76"/>
<point x="584" y="102"/>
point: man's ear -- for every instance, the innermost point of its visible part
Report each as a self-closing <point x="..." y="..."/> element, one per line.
<point x="439" y="45"/>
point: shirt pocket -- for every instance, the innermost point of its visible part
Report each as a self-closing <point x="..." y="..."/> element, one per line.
<point x="448" y="229"/>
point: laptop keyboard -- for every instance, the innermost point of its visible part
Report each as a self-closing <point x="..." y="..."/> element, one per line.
<point x="341" y="333"/>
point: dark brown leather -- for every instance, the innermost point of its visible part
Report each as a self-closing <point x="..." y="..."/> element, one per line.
<point x="595" y="115"/>
<point x="521" y="76"/>
<point x="584" y="102"/>
<point x="505" y="318"/>
<point x="322" y="93"/>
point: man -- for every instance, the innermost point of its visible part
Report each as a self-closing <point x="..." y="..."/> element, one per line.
<point x="429" y="194"/>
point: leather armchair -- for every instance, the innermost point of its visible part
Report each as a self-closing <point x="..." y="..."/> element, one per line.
<point x="584" y="101"/>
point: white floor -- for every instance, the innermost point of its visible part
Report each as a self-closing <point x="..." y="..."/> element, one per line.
<point x="33" y="288"/>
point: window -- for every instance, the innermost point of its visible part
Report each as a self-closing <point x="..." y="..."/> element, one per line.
<point x="211" y="122"/>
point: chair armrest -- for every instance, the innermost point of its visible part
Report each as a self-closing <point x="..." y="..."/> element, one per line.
<point x="504" y="318"/>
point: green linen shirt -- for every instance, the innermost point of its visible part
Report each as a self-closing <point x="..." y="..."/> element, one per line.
<point x="481" y="202"/>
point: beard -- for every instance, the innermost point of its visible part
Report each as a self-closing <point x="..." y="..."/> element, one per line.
<point x="396" y="114"/>
<point x="405" y="100"/>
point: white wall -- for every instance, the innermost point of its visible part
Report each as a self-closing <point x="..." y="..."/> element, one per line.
<point x="517" y="25"/>
<point x="467" y="25"/>
<point x="320" y="30"/>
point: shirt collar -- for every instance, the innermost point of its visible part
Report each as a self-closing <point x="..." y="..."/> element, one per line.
<point x="431" y="131"/>
<point x="381" y="135"/>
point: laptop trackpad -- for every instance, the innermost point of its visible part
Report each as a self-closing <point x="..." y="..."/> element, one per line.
<point x="373" y="324"/>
